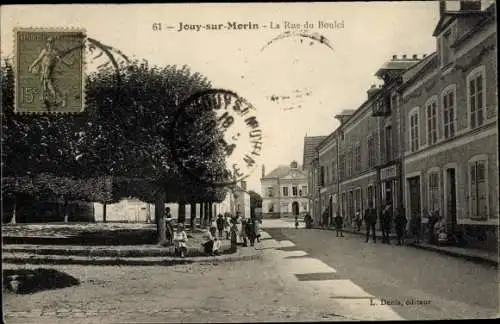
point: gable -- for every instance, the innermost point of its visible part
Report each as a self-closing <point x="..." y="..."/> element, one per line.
<point x="295" y="174"/>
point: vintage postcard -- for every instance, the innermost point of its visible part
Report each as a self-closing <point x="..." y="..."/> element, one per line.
<point x="249" y="162"/>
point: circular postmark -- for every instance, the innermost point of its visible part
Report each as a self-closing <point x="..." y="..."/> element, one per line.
<point x="216" y="126"/>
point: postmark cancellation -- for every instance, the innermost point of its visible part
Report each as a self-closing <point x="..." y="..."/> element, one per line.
<point x="49" y="70"/>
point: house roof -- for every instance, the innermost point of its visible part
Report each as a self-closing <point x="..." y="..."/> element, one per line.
<point x="397" y="64"/>
<point x="281" y="171"/>
<point x="310" y="144"/>
<point x="449" y="16"/>
<point x="412" y="72"/>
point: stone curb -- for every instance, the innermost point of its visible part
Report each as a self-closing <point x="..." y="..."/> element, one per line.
<point x="103" y="251"/>
<point x="360" y="233"/>
<point x="130" y="261"/>
<point x="472" y="258"/>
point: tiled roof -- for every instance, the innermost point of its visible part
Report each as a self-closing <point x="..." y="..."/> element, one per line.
<point x="398" y="64"/>
<point x="310" y="144"/>
<point x="414" y="70"/>
<point x="281" y="171"/>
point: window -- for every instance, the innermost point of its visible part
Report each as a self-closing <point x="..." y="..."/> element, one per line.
<point x="371" y="152"/>
<point x="449" y="112"/>
<point x="434" y="193"/>
<point x="350" y="204"/>
<point x="303" y="192"/>
<point x="349" y="163"/>
<point x="370" y="193"/>
<point x="447" y="40"/>
<point x="394" y="101"/>
<point x="270" y="208"/>
<point x="295" y="191"/>
<point x="357" y="157"/>
<point x="327" y="175"/>
<point x="285" y="191"/>
<point x="388" y="143"/>
<point x="358" y="200"/>
<point x="322" y="176"/>
<point x="304" y="206"/>
<point x="414" y="130"/>
<point x="284" y="207"/>
<point x="478" y="189"/>
<point x="432" y="134"/>
<point x="334" y="172"/>
<point x="269" y="191"/>
<point x="343" y="204"/>
<point x="341" y="167"/>
<point x="476" y="96"/>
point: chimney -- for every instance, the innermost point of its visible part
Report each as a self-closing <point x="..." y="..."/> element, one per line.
<point x="372" y="91"/>
<point x="394" y="57"/>
<point x="294" y="165"/>
<point x="415" y="56"/>
<point x="473" y="5"/>
<point x="404" y="56"/>
<point x="263" y="170"/>
<point x="442" y="7"/>
<point x="425" y="55"/>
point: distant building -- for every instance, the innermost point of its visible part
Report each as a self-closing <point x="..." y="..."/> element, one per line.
<point x="284" y="191"/>
<point x="236" y="201"/>
<point x="309" y="165"/>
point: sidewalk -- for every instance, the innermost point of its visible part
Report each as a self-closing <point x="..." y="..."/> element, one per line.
<point x="470" y="254"/>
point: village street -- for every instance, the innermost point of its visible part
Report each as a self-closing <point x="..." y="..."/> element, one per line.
<point x="303" y="275"/>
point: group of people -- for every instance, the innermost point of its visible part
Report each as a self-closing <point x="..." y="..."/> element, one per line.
<point x="369" y="217"/>
<point x="386" y="218"/>
<point x="238" y="230"/>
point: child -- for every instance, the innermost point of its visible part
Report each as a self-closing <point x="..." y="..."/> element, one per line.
<point x="220" y="224"/>
<point x="180" y="240"/>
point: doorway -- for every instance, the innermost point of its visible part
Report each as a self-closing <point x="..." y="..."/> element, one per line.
<point x="451" y="200"/>
<point x="414" y="196"/>
<point x="295" y="208"/>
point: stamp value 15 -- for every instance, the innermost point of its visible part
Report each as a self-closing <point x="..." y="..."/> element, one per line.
<point x="49" y="70"/>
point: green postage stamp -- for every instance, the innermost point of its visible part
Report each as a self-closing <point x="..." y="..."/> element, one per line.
<point x="49" y="70"/>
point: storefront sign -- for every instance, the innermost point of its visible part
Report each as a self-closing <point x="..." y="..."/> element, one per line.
<point x="389" y="172"/>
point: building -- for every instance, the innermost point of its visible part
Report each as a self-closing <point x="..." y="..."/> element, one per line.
<point x="284" y="191"/>
<point x="449" y="106"/>
<point x="386" y="108"/>
<point x="236" y="201"/>
<point x="310" y="167"/>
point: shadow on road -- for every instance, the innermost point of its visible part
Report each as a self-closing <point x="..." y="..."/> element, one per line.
<point x="27" y="281"/>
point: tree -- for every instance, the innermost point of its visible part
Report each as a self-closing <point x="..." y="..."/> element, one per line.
<point x="142" y="147"/>
<point x="255" y="202"/>
<point x="127" y="137"/>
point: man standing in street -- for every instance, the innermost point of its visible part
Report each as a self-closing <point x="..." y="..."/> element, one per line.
<point x="386" y="221"/>
<point x="400" y="221"/>
<point x="370" y="221"/>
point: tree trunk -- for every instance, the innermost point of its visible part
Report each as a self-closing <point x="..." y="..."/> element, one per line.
<point x="104" y="212"/>
<point x="210" y="212"/>
<point x="193" y="215"/>
<point x="66" y="210"/>
<point x="13" y="219"/>
<point x="206" y="214"/>
<point x="202" y="214"/>
<point x="160" y="217"/>
<point x="181" y="218"/>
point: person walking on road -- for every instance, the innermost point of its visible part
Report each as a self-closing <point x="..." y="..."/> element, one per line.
<point x="386" y="221"/>
<point x="400" y="222"/>
<point x="339" y="221"/>
<point x="416" y="227"/>
<point x="358" y="220"/>
<point x="370" y="222"/>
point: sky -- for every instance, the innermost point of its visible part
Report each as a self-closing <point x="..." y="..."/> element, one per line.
<point x="318" y="81"/>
